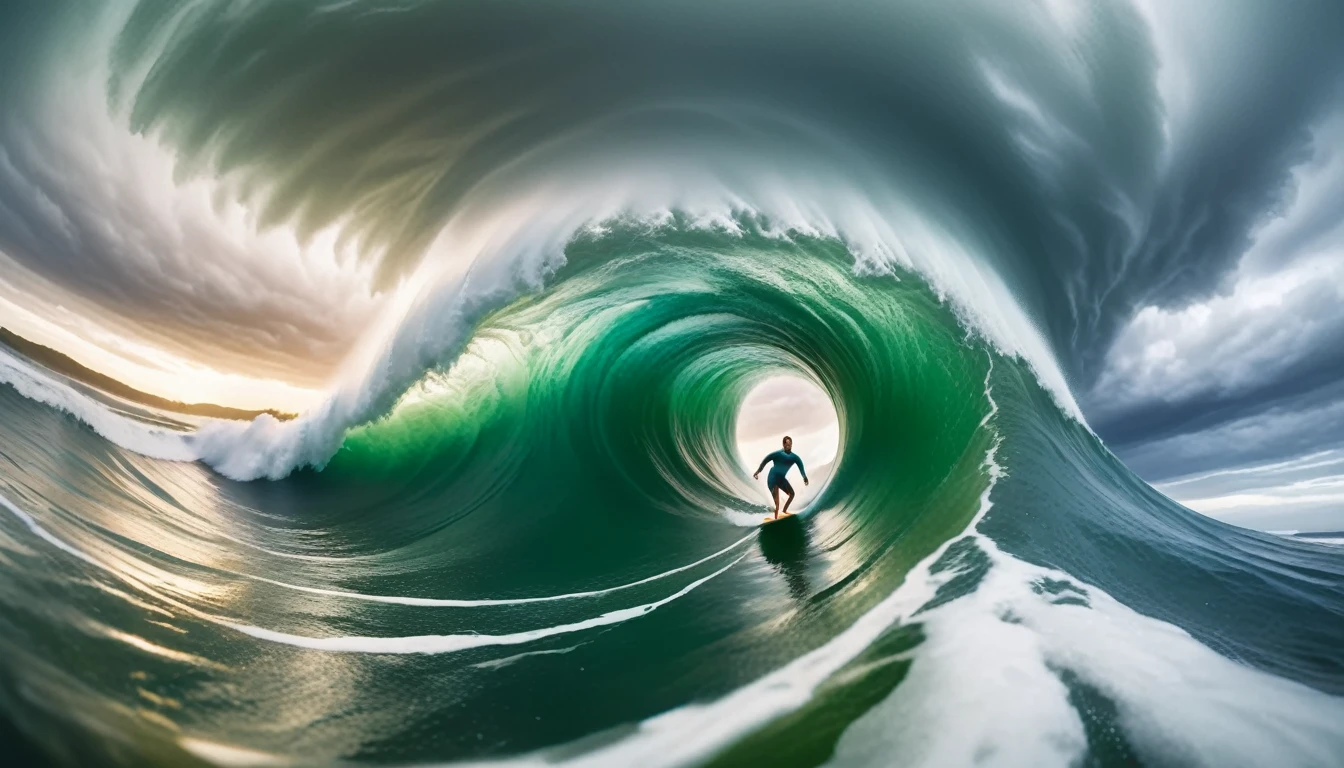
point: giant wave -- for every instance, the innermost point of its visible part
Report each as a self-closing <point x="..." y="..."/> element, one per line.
<point x="509" y="532"/>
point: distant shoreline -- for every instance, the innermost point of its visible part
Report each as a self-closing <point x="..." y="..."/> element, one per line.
<point x="64" y="365"/>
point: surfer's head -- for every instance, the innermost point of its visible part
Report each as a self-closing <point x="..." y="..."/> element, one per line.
<point x="788" y="443"/>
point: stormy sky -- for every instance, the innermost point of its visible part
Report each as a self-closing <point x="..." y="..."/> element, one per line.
<point x="220" y="200"/>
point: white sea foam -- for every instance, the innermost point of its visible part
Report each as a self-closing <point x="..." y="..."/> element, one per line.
<point x="517" y="657"/>
<point x="35" y="384"/>
<point x="46" y="535"/>
<point x="985" y="689"/>
<point x="431" y="602"/>
<point x="743" y="519"/>
<point x="455" y="643"/>
<point x="230" y="756"/>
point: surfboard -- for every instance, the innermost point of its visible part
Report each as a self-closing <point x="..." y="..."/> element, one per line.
<point x="772" y="519"/>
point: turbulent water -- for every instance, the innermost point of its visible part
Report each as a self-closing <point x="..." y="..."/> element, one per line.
<point x="518" y="530"/>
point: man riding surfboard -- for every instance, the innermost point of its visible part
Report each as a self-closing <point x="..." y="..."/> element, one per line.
<point x="777" y="480"/>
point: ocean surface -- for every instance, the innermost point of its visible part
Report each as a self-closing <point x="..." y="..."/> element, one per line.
<point x="515" y="530"/>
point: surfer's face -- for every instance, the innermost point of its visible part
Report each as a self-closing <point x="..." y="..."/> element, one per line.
<point x="788" y="444"/>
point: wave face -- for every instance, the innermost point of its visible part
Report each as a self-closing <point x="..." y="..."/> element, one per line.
<point x="517" y="531"/>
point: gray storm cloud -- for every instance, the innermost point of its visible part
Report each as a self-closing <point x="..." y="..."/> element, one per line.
<point x="1251" y="374"/>
<point x="95" y="218"/>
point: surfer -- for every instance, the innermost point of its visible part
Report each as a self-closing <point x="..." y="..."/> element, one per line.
<point x="777" y="481"/>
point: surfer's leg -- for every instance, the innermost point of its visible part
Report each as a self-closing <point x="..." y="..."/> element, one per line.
<point x="774" y="491"/>
<point x="787" y="487"/>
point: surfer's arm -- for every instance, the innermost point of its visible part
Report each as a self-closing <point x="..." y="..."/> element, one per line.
<point x="764" y="461"/>
<point x="802" y="471"/>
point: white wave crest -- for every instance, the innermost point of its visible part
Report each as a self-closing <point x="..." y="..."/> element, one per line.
<point x="141" y="438"/>
<point x="506" y="264"/>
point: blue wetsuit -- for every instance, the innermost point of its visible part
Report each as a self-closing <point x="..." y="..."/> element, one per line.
<point x="784" y="460"/>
